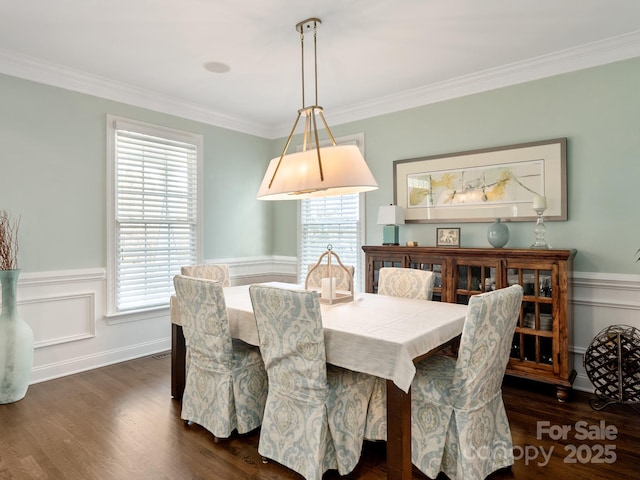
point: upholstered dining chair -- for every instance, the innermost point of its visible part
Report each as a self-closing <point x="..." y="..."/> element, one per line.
<point x="211" y="271"/>
<point x="315" y="413"/>
<point x="395" y="282"/>
<point x="226" y="382"/>
<point x="344" y="278"/>
<point x="218" y="272"/>
<point x="458" y="421"/>
<point x="405" y="282"/>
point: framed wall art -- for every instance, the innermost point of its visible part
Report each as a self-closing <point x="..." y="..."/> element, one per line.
<point x="482" y="185"/>
<point x="447" y="237"/>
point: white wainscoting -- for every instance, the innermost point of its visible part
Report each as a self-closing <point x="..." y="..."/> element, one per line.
<point x="244" y="271"/>
<point x="66" y="310"/>
<point x="599" y="301"/>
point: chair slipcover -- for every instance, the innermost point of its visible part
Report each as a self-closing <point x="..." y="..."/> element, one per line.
<point x="405" y="282"/>
<point x="218" y="272"/>
<point x="458" y="421"/>
<point x="226" y="382"/>
<point x="344" y="279"/>
<point x="394" y="282"/>
<point x="315" y="413"/>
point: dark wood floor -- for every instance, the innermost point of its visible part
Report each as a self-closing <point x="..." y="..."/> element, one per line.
<point x="119" y="422"/>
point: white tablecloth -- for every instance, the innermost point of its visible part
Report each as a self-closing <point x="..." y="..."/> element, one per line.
<point x="374" y="334"/>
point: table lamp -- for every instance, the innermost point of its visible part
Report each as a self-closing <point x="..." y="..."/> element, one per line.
<point x="390" y="216"/>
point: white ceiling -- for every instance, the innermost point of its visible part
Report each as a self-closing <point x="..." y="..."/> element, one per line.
<point x="374" y="56"/>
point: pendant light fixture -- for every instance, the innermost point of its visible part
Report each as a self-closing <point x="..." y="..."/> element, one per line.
<point x="315" y="171"/>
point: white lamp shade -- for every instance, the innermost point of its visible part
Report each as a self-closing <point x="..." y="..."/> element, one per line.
<point x="344" y="168"/>
<point x="391" y="215"/>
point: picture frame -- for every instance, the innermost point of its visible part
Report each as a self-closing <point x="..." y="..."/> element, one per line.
<point x="483" y="185"/>
<point x="448" y="237"/>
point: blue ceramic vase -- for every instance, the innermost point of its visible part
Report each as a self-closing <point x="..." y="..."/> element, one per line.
<point x="498" y="234"/>
<point x="16" y="343"/>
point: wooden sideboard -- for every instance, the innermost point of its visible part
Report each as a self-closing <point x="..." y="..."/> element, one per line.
<point x="540" y="348"/>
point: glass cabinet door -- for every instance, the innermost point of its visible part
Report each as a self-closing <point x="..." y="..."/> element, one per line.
<point x="533" y="341"/>
<point x="472" y="278"/>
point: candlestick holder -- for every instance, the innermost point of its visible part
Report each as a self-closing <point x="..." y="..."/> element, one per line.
<point x="540" y="229"/>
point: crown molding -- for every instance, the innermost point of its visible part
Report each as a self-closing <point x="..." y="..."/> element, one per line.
<point x="594" y="54"/>
<point x="611" y="50"/>
<point x="36" y="70"/>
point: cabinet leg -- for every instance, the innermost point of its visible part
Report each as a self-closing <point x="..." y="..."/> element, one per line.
<point x="563" y="394"/>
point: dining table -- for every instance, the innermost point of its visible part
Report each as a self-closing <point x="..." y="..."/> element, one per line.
<point x="376" y="334"/>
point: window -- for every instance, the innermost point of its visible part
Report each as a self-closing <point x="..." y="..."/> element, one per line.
<point x="153" y="212"/>
<point x="338" y="221"/>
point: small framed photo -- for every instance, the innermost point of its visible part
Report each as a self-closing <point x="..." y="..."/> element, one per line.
<point x="448" y="237"/>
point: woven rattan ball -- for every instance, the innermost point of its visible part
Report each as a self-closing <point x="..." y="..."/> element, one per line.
<point x="612" y="363"/>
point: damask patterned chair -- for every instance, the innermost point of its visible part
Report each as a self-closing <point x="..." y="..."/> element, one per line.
<point x="315" y="413"/>
<point x="394" y="282"/>
<point x="344" y="278"/>
<point x="218" y="272"/>
<point x="405" y="282"/>
<point x="226" y="382"/>
<point x="458" y="421"/>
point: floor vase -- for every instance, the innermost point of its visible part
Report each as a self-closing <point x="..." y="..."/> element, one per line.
<point x="16" y="343"/>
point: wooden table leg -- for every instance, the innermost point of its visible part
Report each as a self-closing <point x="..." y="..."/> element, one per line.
<point x="398" y="433"/>
<point x="178" y="360"/>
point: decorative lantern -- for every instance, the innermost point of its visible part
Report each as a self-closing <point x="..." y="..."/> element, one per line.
<point x="336" y="280"/>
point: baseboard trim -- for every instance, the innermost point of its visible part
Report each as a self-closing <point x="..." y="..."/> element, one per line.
<point x="84" y="363"/>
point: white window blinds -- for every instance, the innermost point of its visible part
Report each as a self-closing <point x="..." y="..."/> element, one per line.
<point x="330" y="220"/>
<point x="155" y="213"/>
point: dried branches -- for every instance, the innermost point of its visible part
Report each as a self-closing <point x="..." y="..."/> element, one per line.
<point x="8" y="241"/>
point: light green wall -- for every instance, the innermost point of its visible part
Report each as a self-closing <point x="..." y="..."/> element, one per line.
<point x="284" y="215"/>
<point x="597" y="110"/>
<point x="52" y="168"/>
<point x="52" y="174"/>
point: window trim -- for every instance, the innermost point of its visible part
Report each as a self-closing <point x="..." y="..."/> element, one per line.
<point x="358" y="140"/>
<point x="114" y="122"/>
